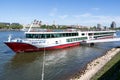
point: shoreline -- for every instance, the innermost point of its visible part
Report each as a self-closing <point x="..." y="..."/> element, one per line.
<point x="95" y="65"/>
<point x="1" y="30"/>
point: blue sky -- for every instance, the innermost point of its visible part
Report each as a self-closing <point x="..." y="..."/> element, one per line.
<point x="82" y="12"/>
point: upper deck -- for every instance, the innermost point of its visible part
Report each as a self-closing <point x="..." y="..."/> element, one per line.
<point x="65" y="33"/>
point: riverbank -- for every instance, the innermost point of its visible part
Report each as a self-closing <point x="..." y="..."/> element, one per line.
<point x="93" y="67"/>
<point x="111" y="71"/>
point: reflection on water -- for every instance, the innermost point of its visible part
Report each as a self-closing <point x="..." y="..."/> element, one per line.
<point x="25" y="58"/>
<point x="59" y="64"/>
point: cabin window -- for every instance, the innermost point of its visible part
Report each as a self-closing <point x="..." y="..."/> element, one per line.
<point x="27" y="35"/>
<point x="76" y="34"/>
<point x="55" y="35"/>
<point x="61" y="35"/>
<point x="96" y="33"/>
<point x="67" y="34"/>
<point x="72" y="34"/>
<point x="83" y="34"/>
<point x="48" y="35"/>
<point x="42" y="35"/>
<point x="52" y="36"/>
<point x="58" y="35"/>
<point x="35" y="35"/>
<point x="90" y="34"/>
<point x="64" y="35"/>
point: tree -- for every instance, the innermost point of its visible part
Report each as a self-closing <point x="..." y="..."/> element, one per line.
<point x="3" y="26"/>
<point x="43" y="26"/>
<point x="16" y="26"/>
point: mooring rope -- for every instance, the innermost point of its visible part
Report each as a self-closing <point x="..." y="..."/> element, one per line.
<point x="43" y="66"/>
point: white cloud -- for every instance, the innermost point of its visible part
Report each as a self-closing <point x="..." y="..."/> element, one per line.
<point x="88" y="18"/>
<point x="63" y="16"/>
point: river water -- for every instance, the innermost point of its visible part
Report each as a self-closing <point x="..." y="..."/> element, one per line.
<point x="59" y="64"/>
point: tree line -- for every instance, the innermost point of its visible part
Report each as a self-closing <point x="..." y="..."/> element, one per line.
<point x="11" y="26"/>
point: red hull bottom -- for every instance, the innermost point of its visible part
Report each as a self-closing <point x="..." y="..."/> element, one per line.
<point x="23" y="47"/>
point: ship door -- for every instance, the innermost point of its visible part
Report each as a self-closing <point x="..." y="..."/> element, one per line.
<point x="90" y="36"/>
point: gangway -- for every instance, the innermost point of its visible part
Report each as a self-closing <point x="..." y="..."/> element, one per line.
<point x="91" y="42"/>
<point x="102" y="40"/>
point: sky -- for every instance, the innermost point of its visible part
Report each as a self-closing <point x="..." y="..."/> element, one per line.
<point x="63" y="12"/>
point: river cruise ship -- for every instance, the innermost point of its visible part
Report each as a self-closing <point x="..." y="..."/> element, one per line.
<point x="51" y="40"/>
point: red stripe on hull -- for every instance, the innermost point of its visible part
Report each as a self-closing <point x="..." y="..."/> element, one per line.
<point x="62" y="46"/>
<point x="23" y="47"/>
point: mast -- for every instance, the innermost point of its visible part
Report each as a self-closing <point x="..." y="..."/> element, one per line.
<point x="30" y="27"/>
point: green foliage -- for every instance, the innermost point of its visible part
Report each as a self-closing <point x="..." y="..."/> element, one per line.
<point x="43" y="26"/>
<point x="15" y="26"/>
<point x="12" y="26"/>
<point x="63" y="27"/>
<point x="52" y="27"/>
<point x="3" y="26"/>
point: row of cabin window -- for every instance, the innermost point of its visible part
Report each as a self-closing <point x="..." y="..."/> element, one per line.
<point x="90" y="34"/>
<point x="76" y="39"/>
<point x="103" y="33"/>
<point x="51" y="35"/>
<point x="101" y="36"/>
